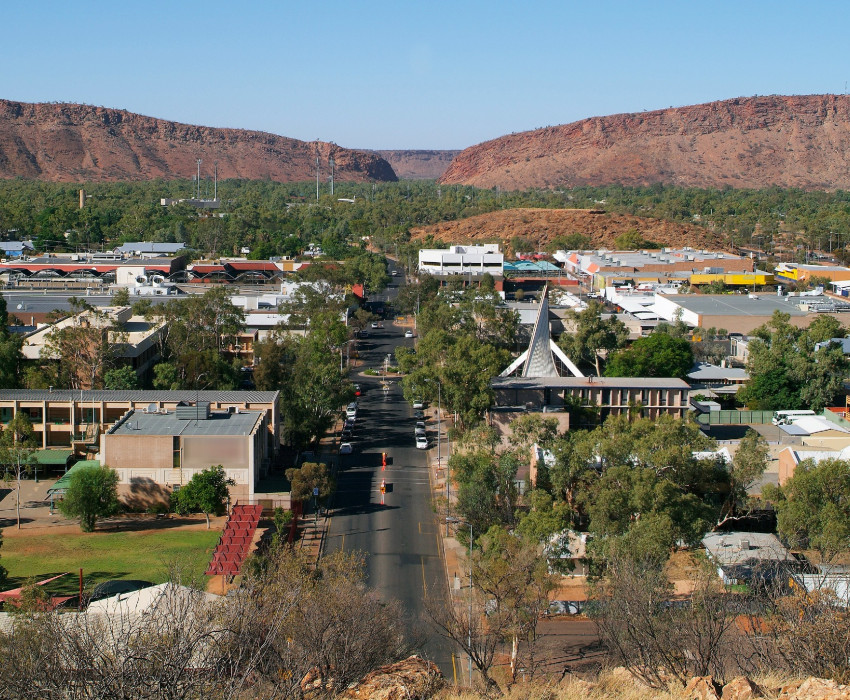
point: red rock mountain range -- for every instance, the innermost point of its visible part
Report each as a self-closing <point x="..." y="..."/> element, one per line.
<point x="81" y="143"/>
<point x="752" y="142"/>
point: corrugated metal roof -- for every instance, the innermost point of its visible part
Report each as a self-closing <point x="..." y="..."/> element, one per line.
<point x="138" y="396"/>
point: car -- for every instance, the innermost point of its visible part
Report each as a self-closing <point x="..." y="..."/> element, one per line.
<point x="420" y="424"/>
<point x="351" y="410"/>
<point x="418" y="403"/>
<point x="394" y="273"/>
<point x="419" y="414"/>
<point x="364" y="334"/>
<point x="421" y="442"/>
<point x="408" y="334"/>
<point x="349" y="424"/>
<point x="419" y="431"/>
<point x="346" y="448"/>
<point x="375" y="324"/>
<point x="347" y="434"/>
<point x="357" y="391"/>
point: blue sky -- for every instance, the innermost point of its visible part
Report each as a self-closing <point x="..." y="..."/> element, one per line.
<point x="406" y="74"/>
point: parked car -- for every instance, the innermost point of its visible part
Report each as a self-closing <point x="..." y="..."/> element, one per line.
<point x="419" y="414"/>
<point x="357" y="391"/>
<point x="420" y="424"/>
<point x="394" y="273"/>
<point x="408" y="334"/>
<point x="375" y="324"/>
<point x="418" y="403"/>
<point x="351" y="410"/>
<point x="421" y="442"/>
<point x="364" y="334"/>
<point x="346" y="448"/>
<point x="419" y="432"/>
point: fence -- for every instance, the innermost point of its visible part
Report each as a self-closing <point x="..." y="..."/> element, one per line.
<point x="735" y="417"/>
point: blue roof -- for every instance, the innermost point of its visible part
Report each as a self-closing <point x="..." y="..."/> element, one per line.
<point x="530" y="266"/>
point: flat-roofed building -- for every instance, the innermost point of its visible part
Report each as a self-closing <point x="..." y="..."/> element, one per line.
<point x="610" y="396"/>
<point x="63" y="418"/>
<point x="474" y="260"/>
<point x="157" y="451"/>
<point x="742" y="313"/>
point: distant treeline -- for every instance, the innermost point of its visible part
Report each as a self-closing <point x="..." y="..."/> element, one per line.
<point x="281" y="218"/>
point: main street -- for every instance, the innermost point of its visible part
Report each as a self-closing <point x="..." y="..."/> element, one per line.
<point x="400" y="537"/>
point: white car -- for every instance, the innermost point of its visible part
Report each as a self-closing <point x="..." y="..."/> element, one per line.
<point x="346" y="448"/>
<point x="351" y="410"/>
<point x="408" y="334"/>
<point x="375" y="324"/>
<point x="421" y="442"/>
<point x="418" y="403"/>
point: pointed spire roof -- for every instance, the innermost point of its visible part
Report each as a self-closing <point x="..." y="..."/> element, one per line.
<point x="539" y="362"/>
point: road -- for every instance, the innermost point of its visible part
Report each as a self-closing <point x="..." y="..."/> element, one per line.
<point x="400" y="537"/>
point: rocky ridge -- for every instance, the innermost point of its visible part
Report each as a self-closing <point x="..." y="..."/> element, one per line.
<point x="749" y="142"/>
<point x="542" y="226"/>
<point x="79" y="143"/>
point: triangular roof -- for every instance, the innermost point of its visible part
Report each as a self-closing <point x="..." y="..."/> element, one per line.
<point x="538" y="361"/>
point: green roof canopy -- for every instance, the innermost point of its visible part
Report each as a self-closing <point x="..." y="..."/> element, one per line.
<point x="62" y="485"/>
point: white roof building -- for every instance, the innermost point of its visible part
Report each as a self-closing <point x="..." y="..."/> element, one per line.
<point x="463" y="260"/>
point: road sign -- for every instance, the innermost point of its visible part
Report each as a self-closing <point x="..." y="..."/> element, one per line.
<point x="315" y="490"/>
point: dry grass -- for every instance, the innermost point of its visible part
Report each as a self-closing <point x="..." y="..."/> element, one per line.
<point x="611" y="685"/>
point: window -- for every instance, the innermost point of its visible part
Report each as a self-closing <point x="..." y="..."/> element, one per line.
<point x="6" y="414"/>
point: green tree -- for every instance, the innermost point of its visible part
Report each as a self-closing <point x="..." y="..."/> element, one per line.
<point x="92" y="493"/>
<point x="748" y="465"/>
<point x="206" y="492"/>
<point x="17" y="452"/>
<point x="121" y="378"/>
<point x="592" y="337"/>
<point x="121" y="297"/>
<point x="813" y="507"/>
<point x="512" y="574"/>
<point x="307" y="478"/>
<point x="657" y="355"/>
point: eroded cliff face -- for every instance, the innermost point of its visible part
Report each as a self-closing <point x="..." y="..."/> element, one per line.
<point x="76" y="143"/>
<point x="800" y="141"/>
<point x="418" y="165"/>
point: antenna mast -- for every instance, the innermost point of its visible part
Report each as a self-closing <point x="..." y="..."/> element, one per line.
<point x="317" y="171"/>
<point x="215" y="180"/>
<point x="331" y="162"/>
<point x="198" y="181"/>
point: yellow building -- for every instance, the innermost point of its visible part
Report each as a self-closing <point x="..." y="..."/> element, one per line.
<point x="734" y="279"/>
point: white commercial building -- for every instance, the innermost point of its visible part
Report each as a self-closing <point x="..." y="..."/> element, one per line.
<point x="463" y="260"/>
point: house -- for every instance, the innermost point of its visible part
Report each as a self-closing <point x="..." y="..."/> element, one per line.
<point x="790" y="457"/>
<point x="720" y="380"/>
<point x="747" y="557"/>
<point x="16" y="249"/>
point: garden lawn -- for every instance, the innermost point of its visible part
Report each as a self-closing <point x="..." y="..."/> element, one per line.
<point x="149" y="555"/>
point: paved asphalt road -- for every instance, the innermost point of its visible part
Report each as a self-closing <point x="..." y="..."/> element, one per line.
<point x="400" y="537"/>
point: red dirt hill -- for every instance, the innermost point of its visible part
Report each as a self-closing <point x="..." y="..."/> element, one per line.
<point x="77" y="143"/>
<point x="542" y="226"/>
<point x="757" y="142"/>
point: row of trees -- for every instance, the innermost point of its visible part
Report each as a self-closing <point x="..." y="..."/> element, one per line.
<point x="464" y="340"/>
<point x="282" y="218"/>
